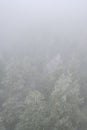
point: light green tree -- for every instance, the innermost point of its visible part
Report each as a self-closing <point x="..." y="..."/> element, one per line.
<point x="34" y="114"/>
<point x="65" y="103"/>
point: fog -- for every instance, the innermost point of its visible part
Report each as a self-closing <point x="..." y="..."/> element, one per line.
<point x="43" y="65"/>
<point x="23" y="21"/>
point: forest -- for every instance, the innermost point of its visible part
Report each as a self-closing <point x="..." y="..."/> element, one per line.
<point x="43" y="65"/>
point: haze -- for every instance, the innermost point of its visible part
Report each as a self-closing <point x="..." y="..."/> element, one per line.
<point x="43" y="65"/>
<point x="20" y="20"/>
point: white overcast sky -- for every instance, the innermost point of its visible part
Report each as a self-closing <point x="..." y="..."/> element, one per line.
<point x="16" y="15"/>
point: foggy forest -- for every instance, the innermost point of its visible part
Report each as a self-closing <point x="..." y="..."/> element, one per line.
<point x="43" y="65"/>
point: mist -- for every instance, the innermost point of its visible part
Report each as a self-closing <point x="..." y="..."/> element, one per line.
<point x="43" y="60"/>
<point x="24" y="24"/>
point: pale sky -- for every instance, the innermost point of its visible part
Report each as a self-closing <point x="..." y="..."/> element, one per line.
<point x="69" y="17"/>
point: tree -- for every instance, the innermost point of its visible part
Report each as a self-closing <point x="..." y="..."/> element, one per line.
<point x="61" y="111"/>
<point x="19" y="76"/>
<point x="65" y="103"/>
<point x="34" y="114"/>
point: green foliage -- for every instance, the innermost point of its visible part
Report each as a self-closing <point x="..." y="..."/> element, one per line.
<point x="65" y="101"/>
<point x="33" y="99"/>
<point x="34" y="113"/>
<point x="61" y="111"/>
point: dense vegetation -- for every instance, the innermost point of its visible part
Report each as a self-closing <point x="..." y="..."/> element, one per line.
<point x="44" y="94"/>
<point x="43" y="64"/>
